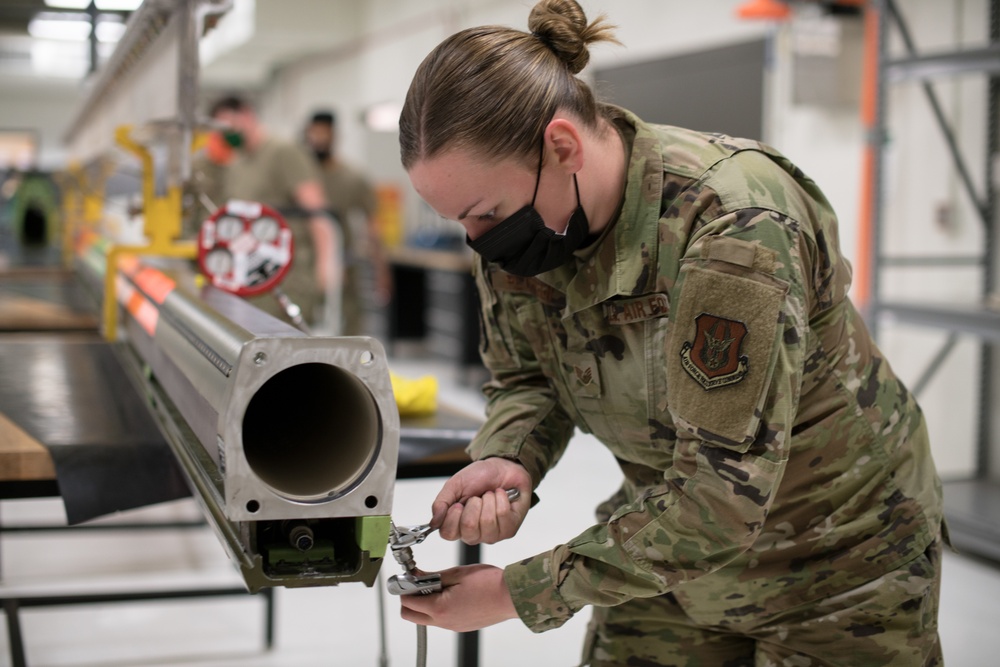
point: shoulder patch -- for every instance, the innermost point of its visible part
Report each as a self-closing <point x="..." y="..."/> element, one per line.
<point x="724" y="338"/>
<point x="714" y="358"/>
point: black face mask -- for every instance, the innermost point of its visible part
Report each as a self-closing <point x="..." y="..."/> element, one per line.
<point x="522" y="244"/>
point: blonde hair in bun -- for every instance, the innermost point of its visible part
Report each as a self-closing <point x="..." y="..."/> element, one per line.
<point x="492" y="89"/>
<point x="562" y="26"/>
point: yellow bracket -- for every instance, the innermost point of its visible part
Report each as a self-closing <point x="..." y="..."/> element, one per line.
<point x="161" y="225"/>
<point x="83" y="203"/>
<point x="199" y="140"/>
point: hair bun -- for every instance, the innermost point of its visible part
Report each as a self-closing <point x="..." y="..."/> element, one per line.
<point x="562" y="26"/>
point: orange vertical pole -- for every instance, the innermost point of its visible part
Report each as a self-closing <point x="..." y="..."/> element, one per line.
<point x="869" y="120"/>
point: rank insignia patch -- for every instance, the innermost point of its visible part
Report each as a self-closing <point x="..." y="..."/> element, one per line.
<point x="584" y="374"/>
<point x="714" y="358"/>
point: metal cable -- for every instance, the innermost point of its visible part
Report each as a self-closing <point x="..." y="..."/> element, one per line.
<point x="383" y="658"/>
<point x="421" y="646"/>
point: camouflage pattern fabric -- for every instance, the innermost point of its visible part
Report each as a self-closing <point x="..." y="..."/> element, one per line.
<point x="889" y="621"/>
<point x="771" y="457"/>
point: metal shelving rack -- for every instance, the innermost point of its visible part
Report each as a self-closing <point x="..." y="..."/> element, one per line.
<point x="972" y="506"/>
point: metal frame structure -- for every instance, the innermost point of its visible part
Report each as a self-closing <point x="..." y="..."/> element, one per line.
<point x="971" y="506"/>
<point x="12" y="604"/>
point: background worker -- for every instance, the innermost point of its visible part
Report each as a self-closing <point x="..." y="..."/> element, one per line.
<point x="682" y="296"/>
<point x="351" y="198"/>
<point x="283" y="176"/>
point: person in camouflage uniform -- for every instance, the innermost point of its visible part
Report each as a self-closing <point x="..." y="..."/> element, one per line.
<point x="281" y="175"/>
<point x="349" y="194"/>
<point x="780" y="505"/>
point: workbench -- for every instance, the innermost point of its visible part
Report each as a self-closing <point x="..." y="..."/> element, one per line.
<point x="436" y="302"/>
<point x="44" y="299"/>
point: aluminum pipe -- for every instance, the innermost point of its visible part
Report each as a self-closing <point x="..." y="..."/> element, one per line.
<point x="289" y="441"/>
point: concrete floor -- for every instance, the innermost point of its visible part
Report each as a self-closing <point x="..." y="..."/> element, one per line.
<point x="339" y="626"/>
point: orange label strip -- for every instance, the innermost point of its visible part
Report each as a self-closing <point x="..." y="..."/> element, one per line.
<point x="152" y="283"/>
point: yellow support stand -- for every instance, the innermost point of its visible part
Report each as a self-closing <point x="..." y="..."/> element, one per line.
<point x="83" y="204"/>
<point x="161" y="225"/>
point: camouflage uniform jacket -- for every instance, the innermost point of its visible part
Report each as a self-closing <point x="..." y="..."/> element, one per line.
<point x="771" y="457"/>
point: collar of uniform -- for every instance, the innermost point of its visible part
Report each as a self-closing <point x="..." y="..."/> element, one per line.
<point x="613" y="269"/>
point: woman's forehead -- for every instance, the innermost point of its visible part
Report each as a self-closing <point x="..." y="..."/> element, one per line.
<point x="462" y="169"/>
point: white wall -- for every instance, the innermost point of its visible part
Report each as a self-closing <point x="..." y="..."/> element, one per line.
<point x="47" y="109"/>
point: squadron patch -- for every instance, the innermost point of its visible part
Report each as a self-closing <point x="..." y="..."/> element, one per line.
<point x="713" y="360"/>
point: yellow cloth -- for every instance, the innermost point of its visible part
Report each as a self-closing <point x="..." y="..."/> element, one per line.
<point x="417" y="397"/>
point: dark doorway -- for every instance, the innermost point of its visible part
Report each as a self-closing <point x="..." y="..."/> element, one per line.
<point x="34" y="227"/>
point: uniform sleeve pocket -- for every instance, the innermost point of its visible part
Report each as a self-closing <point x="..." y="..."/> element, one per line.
<point x="721" y="351"/>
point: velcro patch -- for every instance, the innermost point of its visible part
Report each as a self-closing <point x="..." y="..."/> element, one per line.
<point x="725" y="334"/>
<point x="739" y="252"/>
<point x="637" y="309"/>
<point x="730" y="250"/>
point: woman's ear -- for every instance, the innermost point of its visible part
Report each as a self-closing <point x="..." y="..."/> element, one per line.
<point x="563" y="141"/>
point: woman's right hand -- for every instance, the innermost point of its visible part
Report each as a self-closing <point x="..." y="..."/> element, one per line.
<point x="473" y="506"/>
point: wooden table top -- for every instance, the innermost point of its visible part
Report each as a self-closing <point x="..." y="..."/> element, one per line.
<point x="44" y="300"/>
<point x="22" y="458"/>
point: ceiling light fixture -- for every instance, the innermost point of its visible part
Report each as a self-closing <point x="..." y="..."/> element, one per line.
<point x="110" y="28"/>
<point x="60" y="26"/>
<point x="68" y="4"/>
<point x="118" y="5"/>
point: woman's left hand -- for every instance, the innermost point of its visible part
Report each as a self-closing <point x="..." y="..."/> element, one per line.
<point x="473" y="597"/>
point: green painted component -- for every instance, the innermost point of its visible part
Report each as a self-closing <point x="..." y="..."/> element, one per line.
<point x="37" y="192"/>
<point x="372" y="534"/>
